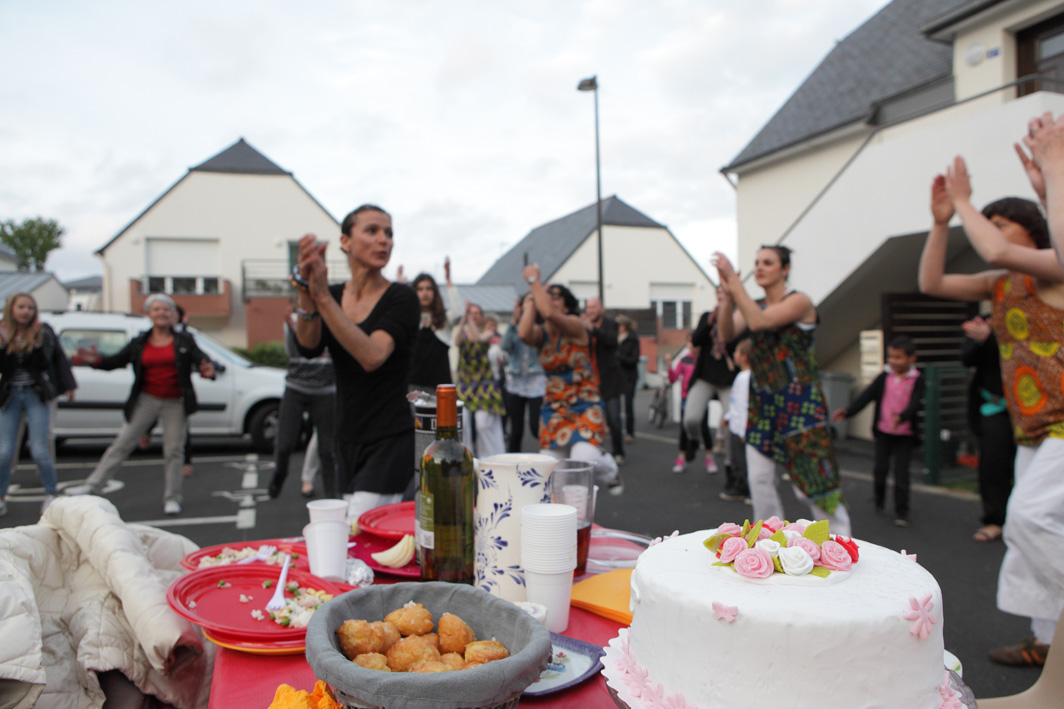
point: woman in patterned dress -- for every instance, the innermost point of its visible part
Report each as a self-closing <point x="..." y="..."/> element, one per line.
<point x="476" y="385"/>
<point x="788" y="418"/>
<point x="1026" y="292"/>
<point x="572" y="420"/>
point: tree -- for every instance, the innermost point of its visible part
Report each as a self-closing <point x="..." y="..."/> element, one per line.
<point x="32" y="241"/>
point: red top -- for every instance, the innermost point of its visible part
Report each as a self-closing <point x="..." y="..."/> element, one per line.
<point x="160" y="372"/>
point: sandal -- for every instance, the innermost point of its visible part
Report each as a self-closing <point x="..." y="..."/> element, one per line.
<point x="989" y="533"/>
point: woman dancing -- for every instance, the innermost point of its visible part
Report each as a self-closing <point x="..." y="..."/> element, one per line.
<point x="476" y="384"/>
<point x="26" y="349"/>
<point x="788" y="420"/>
<point x="162" y="360"/>
<point x="430" y="363"/>
<point x="572" y="422"/>
<point x="368" y="325"/>
<point x="1026" y="292"/>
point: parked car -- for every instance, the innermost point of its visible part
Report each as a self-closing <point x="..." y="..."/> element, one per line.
<point x="243" y="399"/>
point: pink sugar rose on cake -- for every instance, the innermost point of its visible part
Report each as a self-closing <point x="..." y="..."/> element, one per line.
<point x="729" y="528"/>
<point x="834" y="556"/>
<point x="773" y="523"/>
<point x="732" y="547"/>
<point x="794" y="527"/>
<point x="808" y="545"/>
<point x="849" y="545"/>
<point x="755" y="563"/>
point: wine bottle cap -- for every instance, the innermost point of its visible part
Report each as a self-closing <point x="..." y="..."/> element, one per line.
<point x="446" y="405"/>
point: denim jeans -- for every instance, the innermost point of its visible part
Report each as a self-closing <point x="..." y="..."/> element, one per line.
<point x="37" y="418"/>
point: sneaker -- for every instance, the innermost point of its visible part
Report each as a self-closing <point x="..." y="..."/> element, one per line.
<point x="3" y="506"/>
<point x="145" y="442"/>
<point x="1029" y="653"/>
<point x="629" y="438"/>
<point x="616" y="487"/>
<point x="274" y="489"/>
<point x="619" y="458"/>
<point x="732" y="496"/>
<point x="711" y="464"/>
<point x="79" y="490"/>
<point x="186" y="471"/>
<point x="679" y="465"/>
<point x="901" y="522"/>
<point x="308" y="490"/>
<point x="172" y="507"/>
<point x="48" y="500"/>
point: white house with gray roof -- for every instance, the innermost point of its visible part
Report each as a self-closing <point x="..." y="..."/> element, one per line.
<point x="842" y="172"/>
<point x="221" y="242"/>
<point x="644" y="265"/>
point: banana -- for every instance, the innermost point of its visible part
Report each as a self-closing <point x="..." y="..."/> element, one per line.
<point x="398" y="556"/>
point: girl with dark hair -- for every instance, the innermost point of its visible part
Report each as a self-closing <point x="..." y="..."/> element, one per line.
<point x="572" y="421"/>
<point x="430" y="363"/>
<point x="1026" y="292"/>
<point x="368" y="325"/>
<point x="788" y="419"/>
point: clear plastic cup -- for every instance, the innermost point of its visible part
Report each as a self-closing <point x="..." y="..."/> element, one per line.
<point x="552" y="591"/>
<point x="327" y="548"/>
<point x="322" y="510"/>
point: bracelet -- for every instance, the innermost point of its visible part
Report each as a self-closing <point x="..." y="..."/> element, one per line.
<point x="297" y="281"/>
<point x="532" y="279"/>
<point x="308" y="315"/>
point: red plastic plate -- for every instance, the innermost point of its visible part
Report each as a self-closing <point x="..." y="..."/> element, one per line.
<point x="197" y="597"/>
<point x="288" y="546"/>
<point x="366" y="544"/>
<point x="389" y="521"/>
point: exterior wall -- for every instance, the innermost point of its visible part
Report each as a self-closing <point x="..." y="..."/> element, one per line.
<point x="633" y="259"/>
<point x="849" y="362"/>
<point x="250" y="216"/>
<point x="51" y="295"/>
<point x="265" y="317"/>
<point x="994" y="30"/>
<point x="8" y="265"/>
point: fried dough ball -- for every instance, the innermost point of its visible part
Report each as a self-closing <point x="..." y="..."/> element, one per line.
<point x="453" y="660"/>
<point x="471" y="665"/>
<point x="433" y="638"/>
<point x="411" y="619"/>
<point x="454" y="634"/>
<point x="358" y="637"/>
<point x="426" y="667"/>
<point x="484" y="651"/>
<point x="372" y="661"/>
<point x="410" y="651"/>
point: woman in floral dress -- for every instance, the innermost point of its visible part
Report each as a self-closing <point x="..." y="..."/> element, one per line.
<point x="476" y="385"/>
<point x="572" y="422"/>
<point x="788" y="419"/>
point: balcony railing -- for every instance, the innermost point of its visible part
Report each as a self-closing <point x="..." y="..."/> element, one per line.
<point x="269" y="277"/>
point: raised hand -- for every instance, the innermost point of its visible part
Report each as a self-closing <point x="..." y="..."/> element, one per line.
<point x="531" y="271"/>
<point x="87" y="355"/>
<point x="447" y="269"/>
<point x="941" y="207"/>
<point x="312" y="266"/>
<point x="958" y="182"/>
<point x="1034" y="173"/>
<point x="728" y="275"/>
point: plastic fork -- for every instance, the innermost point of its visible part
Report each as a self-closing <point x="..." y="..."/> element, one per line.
<point x="277" y="602"/>
<point x="264" y="553"/>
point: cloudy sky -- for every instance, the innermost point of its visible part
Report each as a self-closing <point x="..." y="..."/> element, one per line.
<point x="462" y="118"/>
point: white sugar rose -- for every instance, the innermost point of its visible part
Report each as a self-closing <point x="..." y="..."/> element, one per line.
<point x="791" y="534"/>
<point x="795" y="561"/>
<point x="768" y="545"/>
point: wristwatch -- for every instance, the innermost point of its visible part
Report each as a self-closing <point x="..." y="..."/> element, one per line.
<point x="532" y="279"/>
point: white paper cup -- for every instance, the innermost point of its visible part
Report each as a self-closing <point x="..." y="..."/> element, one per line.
<point x="327" y="548"/>
<point x="322" y="510"/>
<point x="553" y="591"/>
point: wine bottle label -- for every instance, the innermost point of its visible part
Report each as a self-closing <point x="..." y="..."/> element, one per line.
<point x="425" y="528"/>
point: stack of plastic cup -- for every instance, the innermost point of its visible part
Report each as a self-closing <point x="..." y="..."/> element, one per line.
<point x="326" y="539"/>
<point x="321" y="510"/>
<point x="548" y="557"/>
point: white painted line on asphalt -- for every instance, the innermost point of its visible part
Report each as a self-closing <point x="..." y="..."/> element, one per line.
<point x="251" y="480"/>
<point x="245" y="519"/>
<point x="30" y="465"/>
<point x="657" y="437"/>
<point x="189" y="521"/>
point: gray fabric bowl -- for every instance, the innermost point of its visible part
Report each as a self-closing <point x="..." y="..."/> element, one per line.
<point x="494" y="684"/>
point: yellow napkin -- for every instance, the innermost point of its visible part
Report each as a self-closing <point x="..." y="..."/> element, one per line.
<point x="287" y="697"/>
<point x="606" y="595"/>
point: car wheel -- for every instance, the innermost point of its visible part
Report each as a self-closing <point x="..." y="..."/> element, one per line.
<point x="263" y="426"/>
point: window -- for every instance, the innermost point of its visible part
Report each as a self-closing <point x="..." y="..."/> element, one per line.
<point x="107" y="342"/>
<point x="686" y="323"/>
<point x="184" y="285"/>
<point x="668" y="314"/>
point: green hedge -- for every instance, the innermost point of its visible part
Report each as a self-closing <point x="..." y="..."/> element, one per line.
<point x="270" y="354"/>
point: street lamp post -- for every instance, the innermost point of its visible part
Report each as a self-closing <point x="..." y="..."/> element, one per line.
<point x="592" y="85"/>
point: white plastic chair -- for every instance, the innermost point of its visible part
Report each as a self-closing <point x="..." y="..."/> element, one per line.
<point x="1048" y="691"/>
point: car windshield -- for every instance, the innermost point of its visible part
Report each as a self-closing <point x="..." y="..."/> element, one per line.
<point x="219" y="352"/>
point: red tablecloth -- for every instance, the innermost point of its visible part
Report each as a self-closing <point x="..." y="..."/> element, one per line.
<point x="249" y="681"/>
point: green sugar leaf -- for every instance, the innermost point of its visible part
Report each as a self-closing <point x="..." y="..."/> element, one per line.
<point x="721" y="563"/>
<point x="779" y="538"/>
<point x="746" y="528"/>
<point x="777" y="564"/>
<point x="820" y="571"/>
<point x="751" y="536"/>
<point x="715" y="542"/>
<point x="818" y="532"/>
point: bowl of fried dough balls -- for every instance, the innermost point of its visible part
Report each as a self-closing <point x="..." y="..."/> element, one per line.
<point x="426" y="646"/>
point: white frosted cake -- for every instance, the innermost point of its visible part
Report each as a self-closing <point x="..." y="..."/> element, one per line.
<point x="706" y="636"/>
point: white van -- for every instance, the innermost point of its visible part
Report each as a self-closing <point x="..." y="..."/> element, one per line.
<point x="244" y="398"/>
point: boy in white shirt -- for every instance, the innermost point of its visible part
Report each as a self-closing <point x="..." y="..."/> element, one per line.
<point x="736" y="488"/>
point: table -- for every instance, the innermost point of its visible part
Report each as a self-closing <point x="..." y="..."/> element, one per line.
<point x="241" y="679"/>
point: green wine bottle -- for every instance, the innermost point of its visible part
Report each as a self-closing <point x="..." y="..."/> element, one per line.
<point x="445" y="500"/>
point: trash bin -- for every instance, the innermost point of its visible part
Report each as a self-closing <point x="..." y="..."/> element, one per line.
<point x="837" y="387"/>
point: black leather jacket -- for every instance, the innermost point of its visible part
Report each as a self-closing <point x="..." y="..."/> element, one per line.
<point x="47" y="364"/>
<point x="186" y="354"/>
